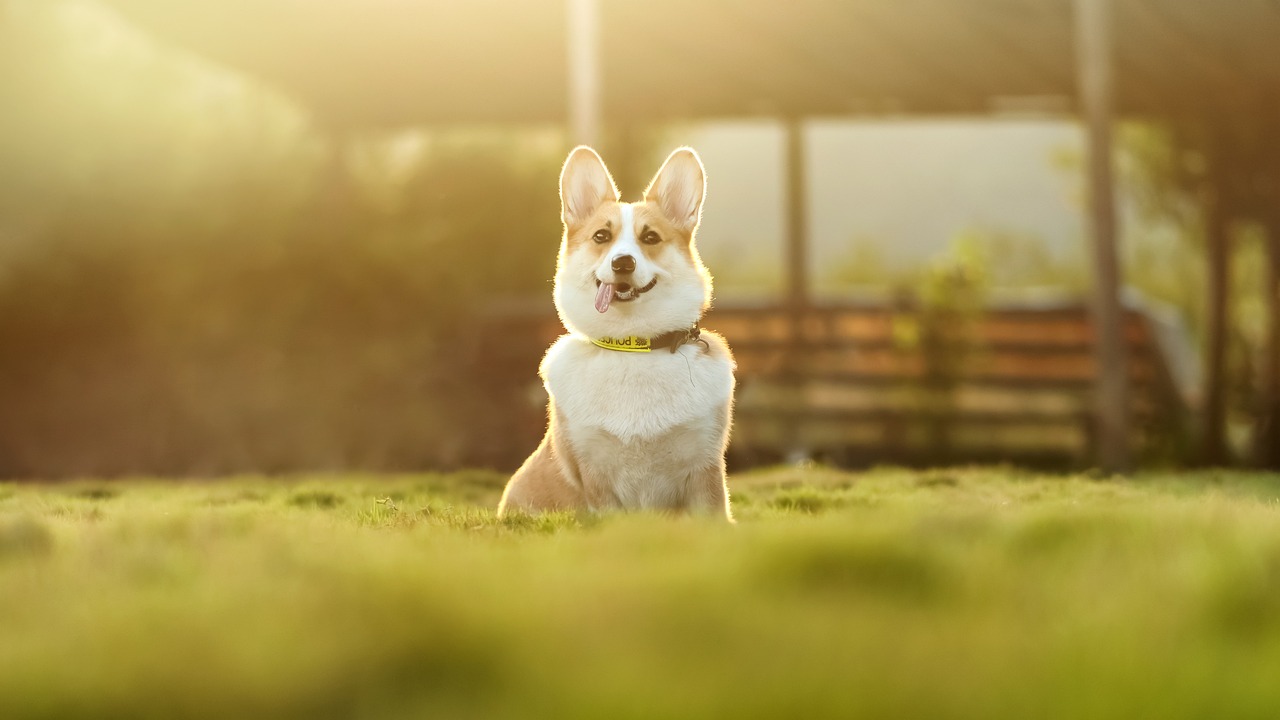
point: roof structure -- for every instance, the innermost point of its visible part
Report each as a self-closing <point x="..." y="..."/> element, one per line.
<point x="374" y="63"/>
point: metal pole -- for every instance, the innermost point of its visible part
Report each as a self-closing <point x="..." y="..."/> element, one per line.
<point x="1094" y="55"/>
<point x="584" y="71"/>
<point x="797" y="280"/>
<point x="1267" y="438"/>
<point x="797" y="250"/>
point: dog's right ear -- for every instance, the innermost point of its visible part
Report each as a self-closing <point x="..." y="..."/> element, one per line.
<point x="585" y="185"/>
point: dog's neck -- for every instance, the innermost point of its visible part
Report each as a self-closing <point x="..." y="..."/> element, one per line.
<point x="669" y="340"/>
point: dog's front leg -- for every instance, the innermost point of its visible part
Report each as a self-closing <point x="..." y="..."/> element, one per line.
<point x="709" y="493"/>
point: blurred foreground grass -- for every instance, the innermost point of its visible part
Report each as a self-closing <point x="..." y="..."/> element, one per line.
<point x="968" y="594"/>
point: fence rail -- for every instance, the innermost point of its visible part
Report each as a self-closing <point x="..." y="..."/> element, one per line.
<point x="841" y="384"/>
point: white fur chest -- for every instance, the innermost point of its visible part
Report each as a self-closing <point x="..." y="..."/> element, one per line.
<point x="641" y="425"/>
<point x="634" y="396"/>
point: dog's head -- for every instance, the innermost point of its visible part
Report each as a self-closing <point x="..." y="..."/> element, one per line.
<point x="630" y="268"/>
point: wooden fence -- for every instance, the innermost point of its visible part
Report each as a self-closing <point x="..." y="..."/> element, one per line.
<point x="859" y="384"/>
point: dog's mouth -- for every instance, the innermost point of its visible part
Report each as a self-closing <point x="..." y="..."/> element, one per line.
<point x="607" y="293"/>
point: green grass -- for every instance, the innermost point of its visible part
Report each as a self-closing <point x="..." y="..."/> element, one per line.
<point x="980" y="593"/>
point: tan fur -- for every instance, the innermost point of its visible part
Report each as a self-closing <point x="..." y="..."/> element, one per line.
<point x="540" y="485"/>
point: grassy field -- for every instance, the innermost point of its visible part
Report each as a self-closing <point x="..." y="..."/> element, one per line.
<point x="976" y="593"/>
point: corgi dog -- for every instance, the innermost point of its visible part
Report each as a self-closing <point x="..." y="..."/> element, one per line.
<point x="640" y="397"/>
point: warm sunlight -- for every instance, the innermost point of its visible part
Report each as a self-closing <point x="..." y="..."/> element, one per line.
<point x="366" y="358"/>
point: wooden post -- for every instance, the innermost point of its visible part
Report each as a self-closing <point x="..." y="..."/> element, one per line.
<point x="797" y="280"/>
<point x="1266" y="439"/>
<point x="1218" y="257"/>
<point x="1094" y="51"/>
<point x="620" y="148"/>
<point x="797" y="251"/>
<point x="584" y="71"/>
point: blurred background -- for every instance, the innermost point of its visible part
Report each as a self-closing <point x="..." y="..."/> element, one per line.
<point x="278" y="236"/>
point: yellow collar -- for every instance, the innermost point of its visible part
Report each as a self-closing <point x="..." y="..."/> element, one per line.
<point x="626" y="343"/>
<point x="636" y="344"/>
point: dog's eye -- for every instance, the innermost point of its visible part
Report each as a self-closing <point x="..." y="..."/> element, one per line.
<point x="651" y="238"/>
<point x="602" y="236"/>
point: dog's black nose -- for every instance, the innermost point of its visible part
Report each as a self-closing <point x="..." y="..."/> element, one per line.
<point x="624" y="264"/>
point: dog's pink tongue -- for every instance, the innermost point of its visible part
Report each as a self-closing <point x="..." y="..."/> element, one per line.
<point x="604" y="295"/>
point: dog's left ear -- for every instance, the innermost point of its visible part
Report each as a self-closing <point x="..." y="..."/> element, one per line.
<point x="678" y="189"/>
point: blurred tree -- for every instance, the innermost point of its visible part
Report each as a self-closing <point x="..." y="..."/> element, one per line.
<point x="1211" y="176"/>
<point x="194" y="278"/>
<point x="945" y="304"/>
